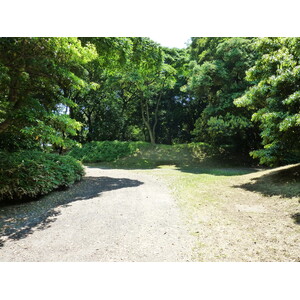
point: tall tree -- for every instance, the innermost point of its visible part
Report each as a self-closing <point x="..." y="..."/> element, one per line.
<point x="108" y="109"/>
<point x="217" y="78"/>
<point x="34" y="74"/>
<point x="176" y="112"/>
<point x="275" y="99"/>
<point x="128" y="96"/>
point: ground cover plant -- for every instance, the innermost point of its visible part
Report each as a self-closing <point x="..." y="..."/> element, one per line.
<point x="29" y="174"/>
<point x="141" y="154"/>
<point x="105" y="151"/>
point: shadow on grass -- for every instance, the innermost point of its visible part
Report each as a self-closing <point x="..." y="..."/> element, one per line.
<point x="284" y="183"/>
<point x="218" y="171"/>
<point x="211" y="165"/>
<point x="296" y="218"/>
<point x="18" y="221"/>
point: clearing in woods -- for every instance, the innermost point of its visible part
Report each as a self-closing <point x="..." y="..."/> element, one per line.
<point x="161" y="214"/>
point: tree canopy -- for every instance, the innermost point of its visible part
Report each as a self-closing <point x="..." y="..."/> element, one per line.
<point x="275" y="98"/>
<point x="35" y="72"/>
<point x="240" y="95"/>
<point x="217" y="77"/>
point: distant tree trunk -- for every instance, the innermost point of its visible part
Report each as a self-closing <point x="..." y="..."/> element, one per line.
<point x="146" y="117"/>
<point x="90" y="126"/>
<point x="146" y="120"/>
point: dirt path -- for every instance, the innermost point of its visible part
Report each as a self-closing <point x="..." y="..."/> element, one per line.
<point x="112" y="215"/>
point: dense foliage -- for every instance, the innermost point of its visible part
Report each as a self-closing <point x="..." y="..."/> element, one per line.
<point x="29" y="174"/>
<point x="35" y="72"/>
<point x="126" y="99"/>
<point x="239" y="95"/>
<point x="142" y="154"/>
<point x="275" y="99"/>
<point x="105" y="151"/>
<point x="217" y="77"/>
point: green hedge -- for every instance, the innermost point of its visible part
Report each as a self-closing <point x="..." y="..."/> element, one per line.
<point x="106" y="151"/>
<point x="141" y="154"/>
<point x="29" y="174"/>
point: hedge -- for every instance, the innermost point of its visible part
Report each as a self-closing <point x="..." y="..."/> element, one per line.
<point x="105" y="151"/>
<point x="30" y="174"/>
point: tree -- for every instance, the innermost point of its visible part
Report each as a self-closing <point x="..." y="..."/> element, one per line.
<point x="154" y="86"/>
<point x="35" y="72"/>
<point x="152" y="78"/>
<point x="177" y="111"/>
<point x="218" y="77"/>
<point x="275" y="99"/>
<point x="109" y="110"/>
<point x="128" y="95"/>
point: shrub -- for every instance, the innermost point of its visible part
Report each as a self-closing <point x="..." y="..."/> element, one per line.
<point x="106" y="151"/>
<point x="29" y="174"/>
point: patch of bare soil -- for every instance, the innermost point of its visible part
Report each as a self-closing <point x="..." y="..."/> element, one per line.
<point x="255" y="219"/>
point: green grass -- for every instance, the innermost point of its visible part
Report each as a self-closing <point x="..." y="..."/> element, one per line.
<point x="197" y="172"/>
<point x="199" y="177"/>
<point x="105" y="151"/>
<point x="152" y="156"/>
<point x="139" y="155"/>
<point x="194" y="187"/>
<point x="282" y="181"/>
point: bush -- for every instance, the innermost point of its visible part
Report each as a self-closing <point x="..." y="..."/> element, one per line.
<point x="16" y="141"/>
<point x="106" y="151"/>
<point x="29" y="174"/>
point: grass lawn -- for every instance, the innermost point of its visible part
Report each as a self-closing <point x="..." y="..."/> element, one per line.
<point x="236" y="213"/>
<point x="239" y="214"/>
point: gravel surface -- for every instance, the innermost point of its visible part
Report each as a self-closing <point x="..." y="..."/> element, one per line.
<point x="112" y="215"/>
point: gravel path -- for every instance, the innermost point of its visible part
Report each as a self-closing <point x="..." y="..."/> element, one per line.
<point x="112" y="215"/>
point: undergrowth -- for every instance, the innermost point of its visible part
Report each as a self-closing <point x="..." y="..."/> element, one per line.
<point x="105" y="151"/>
<point x="30" y="174"/>
<point x="141" y="154"/>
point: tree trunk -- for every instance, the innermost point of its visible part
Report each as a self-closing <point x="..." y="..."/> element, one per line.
<point x="152" y="136"/>
<point x="146" y="120"/>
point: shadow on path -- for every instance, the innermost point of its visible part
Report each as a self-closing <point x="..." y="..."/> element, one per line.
<point x="18" y="221"/>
